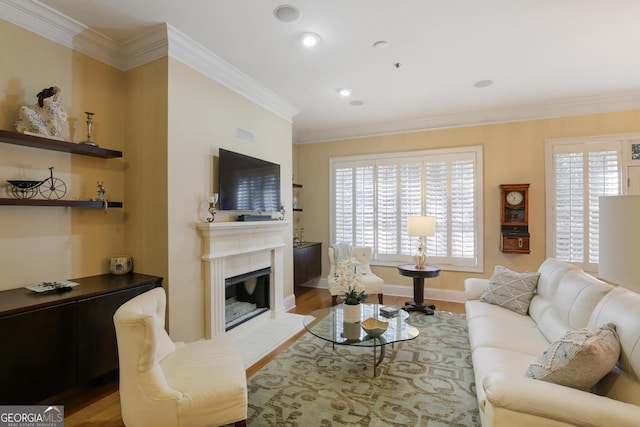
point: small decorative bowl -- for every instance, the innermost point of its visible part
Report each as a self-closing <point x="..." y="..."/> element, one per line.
<point x="374" y="327"/>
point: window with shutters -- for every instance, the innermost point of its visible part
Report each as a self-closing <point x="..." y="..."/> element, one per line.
<point x="372" y="197"/>
<point x="578" y="173"/>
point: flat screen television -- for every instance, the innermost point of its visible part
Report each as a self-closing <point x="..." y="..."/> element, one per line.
<point x="247" y="183"/>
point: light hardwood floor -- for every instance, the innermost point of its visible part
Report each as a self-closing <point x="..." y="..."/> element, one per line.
<point x="99" y="404"/>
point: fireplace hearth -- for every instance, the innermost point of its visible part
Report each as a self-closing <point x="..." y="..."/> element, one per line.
<point x="246" y="296"/>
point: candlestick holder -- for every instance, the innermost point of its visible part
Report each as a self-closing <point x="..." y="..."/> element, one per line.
<point x="89" y="130"/>
<point x="212" y="207"/>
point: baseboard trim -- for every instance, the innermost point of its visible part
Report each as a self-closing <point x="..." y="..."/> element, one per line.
<point x="289" y="303"/>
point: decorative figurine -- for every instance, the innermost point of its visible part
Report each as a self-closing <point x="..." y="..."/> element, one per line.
<point x="101" y="191"/>
<point x="89" y="129"/>
<point x="50" y="188"/>
<point x="43" y="118"/>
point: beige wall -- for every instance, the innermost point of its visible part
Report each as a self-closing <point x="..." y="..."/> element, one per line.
<point x="169" y="121"/>
<point x="52" y="243"/>
<point x="513" y="153"/>
<point x="203" y="116"/>
<point x="145" y="158"/>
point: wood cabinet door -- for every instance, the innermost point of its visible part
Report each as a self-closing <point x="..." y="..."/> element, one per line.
<point x="315" y="260"/>
<point x="97" y="346"/>
<point x="300" y="265"/>
<point x="38" y="355"/>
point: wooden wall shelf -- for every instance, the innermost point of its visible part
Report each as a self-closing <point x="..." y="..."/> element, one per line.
<point x="56" y="145"/>
<point x="60" y="202"/>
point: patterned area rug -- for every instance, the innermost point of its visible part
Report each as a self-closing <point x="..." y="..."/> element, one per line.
<point x="424" y="382"/>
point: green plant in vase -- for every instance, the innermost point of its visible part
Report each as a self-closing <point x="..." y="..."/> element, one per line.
<point x="348" y="276"/>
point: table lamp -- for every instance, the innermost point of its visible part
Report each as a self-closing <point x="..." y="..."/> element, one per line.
<point x="421" y="226"/>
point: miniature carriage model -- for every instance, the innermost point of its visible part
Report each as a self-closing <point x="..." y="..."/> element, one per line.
<point x="50" y="188"/>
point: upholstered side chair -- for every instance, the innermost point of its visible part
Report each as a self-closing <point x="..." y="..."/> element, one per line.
<point x="163" y="383"/>
<point x="372" y="283"/>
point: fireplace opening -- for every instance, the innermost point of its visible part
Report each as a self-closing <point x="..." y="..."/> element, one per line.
<point x="246" y="296"/>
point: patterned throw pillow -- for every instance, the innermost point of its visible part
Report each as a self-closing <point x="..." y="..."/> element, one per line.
<point x="511" y="290"/>
<point x="579" y="359"/>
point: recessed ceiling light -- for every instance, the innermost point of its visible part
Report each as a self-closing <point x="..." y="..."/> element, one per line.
<point x="309" y="39"/>
<point x="356" y="103"/>
<point x="483" y="83"/>
<point x="344" y="92"/>
<point x="286" y="13"/>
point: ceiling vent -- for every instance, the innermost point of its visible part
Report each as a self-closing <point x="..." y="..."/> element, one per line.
<point x="286" y="13"/>
<point x="245" y="135"/>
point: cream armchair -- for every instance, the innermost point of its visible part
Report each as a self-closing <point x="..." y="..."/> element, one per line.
<point x="175" y="384"/>
<point x="372" y="283"/>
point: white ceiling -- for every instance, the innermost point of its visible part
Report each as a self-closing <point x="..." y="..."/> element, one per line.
<point x="545" y="57"/>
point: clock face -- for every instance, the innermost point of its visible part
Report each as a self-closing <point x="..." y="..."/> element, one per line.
<point x="514" y="197"/>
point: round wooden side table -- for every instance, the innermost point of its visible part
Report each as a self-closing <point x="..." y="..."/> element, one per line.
<point x="418" y="275"/>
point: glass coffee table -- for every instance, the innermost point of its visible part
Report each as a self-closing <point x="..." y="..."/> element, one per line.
<point x="328" y="324"/>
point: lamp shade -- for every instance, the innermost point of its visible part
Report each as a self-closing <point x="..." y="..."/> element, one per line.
<point x="619" y="250"/>
<point x="421" y="226"/>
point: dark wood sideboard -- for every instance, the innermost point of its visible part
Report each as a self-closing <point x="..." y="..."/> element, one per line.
<point x="307" y="262"/>
<point x="53" y="342"/>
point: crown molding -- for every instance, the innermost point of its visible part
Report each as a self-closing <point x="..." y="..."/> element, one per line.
<point x="46" y="22"/>
<point x="191" y="53"/>
<point x="164" y="40"/>
<point x="515" y="113"/>
<point x="145" y="48"/>
<point x="161" y="41"/>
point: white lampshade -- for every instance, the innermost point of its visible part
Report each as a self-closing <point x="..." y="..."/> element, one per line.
<point x="619" y="248"/>
<point x="421" y="226"/>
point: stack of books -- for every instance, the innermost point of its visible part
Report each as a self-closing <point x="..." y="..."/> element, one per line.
<point x="387" y="311"/>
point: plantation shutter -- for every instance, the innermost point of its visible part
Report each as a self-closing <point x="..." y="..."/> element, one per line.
<point x="354" y="203"/>
<point x="604" y="180"/>
<point x="583" y="173"/>
<point x="410" y="202"/>
<point x="399" y="195"/>
<point x="450" y="196"/>
<point x="373" y="198"/>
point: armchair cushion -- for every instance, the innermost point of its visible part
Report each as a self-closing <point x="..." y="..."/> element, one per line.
<point x="362" y="255"/>
<point x="166" y="384"/>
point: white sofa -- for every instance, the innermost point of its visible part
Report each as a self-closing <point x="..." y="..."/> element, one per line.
<point x="504" y="344"/>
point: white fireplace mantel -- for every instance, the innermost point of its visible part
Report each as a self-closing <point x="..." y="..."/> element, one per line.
<point x="230" y="247"/>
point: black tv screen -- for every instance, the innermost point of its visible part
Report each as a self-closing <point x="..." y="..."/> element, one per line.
<point x="247" y="183"/>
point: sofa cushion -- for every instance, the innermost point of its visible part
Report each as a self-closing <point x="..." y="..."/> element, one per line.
<point x="511" y="290"/>
<point x="576" y="296"/>
<point x="622" y="307"/>
<point x="487" y="360"/>
<point x="497" y="327"/>
<point x="579" y="359"/>
<point x="551" y="272"/>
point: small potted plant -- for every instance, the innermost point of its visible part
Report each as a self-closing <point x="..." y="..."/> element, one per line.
<point x="349" y="277"/>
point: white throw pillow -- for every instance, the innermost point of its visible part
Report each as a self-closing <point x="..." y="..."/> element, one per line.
<point x="511" y="290"/>
<point x="579" y="359"/>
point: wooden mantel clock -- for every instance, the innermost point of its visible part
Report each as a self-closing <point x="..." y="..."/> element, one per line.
<point x="514" y="218"/>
